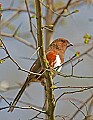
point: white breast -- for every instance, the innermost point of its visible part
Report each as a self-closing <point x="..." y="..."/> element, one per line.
<point x="58" y="63"/>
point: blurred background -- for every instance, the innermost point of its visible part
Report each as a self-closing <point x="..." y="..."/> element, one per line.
<point x="73" y="28"/>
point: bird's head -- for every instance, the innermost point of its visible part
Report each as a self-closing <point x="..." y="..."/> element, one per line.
<point x="60" y="44"/>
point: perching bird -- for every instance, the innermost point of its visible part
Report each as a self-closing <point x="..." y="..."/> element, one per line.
<point x="55" y="56"/>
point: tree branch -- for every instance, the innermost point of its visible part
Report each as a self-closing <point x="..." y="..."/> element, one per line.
<point x="58" y="17"/>
<point x="49" y="82"/>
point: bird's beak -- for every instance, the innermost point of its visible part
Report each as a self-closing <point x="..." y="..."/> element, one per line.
<point x="69" y="45"/>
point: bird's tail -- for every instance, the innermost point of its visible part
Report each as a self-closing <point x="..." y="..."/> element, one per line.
<point x="17" y="97"/>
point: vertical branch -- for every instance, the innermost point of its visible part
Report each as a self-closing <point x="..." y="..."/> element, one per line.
<point x="49" y="18"/>
<point x="48" y="74"/>
<point x="30" y="21"/>
<point x="39" y="32"/>
<point x="49" y="35"/>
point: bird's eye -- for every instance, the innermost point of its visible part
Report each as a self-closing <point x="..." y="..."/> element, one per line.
<point x="63" y="41"/>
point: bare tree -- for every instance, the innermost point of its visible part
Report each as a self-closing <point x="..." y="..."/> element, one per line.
<point x="42" y="26"/>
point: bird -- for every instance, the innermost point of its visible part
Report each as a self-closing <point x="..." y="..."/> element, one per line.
<point x="55" y="57"/>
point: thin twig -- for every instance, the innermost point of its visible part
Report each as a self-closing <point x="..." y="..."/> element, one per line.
<point x="71" y="4"/>
<point x="73" y="87"/>
<point x="73" y="116"/>
<point x="78" y="108"/>
<point x="30" y="21"/>
<point x="59" y="16"/>
<point x="35" y="116"/>
<point x="72" y="92"/>
<point x="18" y="38"/>
<point x="9" y="56"/>
<point x="5" y="23"/>
<point x="24" y="108"/>
<point x="4" y="99"/>
<point x="16" y="9"/>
